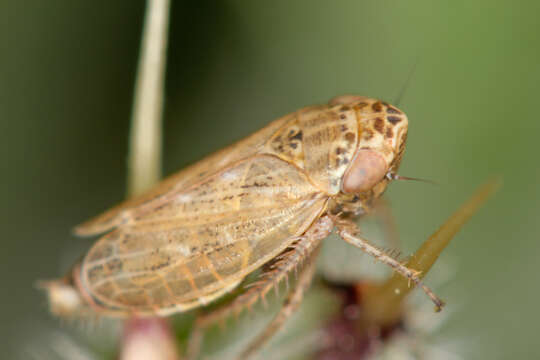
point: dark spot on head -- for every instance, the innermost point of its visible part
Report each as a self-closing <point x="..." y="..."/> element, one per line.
<point x="340" y="150"/>
<point x="297" y="136"/>
<point x="392" y="110"/>
<point x="342" y="116"/>
<point x="345" y="108"/>
<point x="393" y="119"/>
<point x="293" y="145"/>
<point x="377" y="107"/>
<point x="367" y="134"/>
<point x="350" y="137"/>
<point x="291" y="133"/>
<point x="379" y="125"/>
<point x="389" y="133"/>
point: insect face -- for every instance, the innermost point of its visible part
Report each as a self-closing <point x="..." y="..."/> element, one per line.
<point x="382" y="133"/>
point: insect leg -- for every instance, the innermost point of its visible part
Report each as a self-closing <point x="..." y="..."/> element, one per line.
<point x="276" y="271"/>
<point x="291" y="304"/>
<point x="348" y="231"/>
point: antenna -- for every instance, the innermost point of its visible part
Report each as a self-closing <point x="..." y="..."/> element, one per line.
<point x="391" y="176"/>
<point x="405" y="86"/>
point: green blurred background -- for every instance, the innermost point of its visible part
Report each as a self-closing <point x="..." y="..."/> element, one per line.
<point x="66" y="79"/>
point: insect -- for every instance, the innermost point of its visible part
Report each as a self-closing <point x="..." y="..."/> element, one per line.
<point x="265" y="202"/>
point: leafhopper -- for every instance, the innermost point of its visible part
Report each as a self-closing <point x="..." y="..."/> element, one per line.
<point x="266" y="201"/>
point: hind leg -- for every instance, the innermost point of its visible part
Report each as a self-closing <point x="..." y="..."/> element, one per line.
<point x="274" y="273"/>
<point x="291" y="304"/>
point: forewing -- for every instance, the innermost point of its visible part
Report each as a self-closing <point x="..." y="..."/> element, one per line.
<point x="183" y="179"/>
<point x="195" y="245"/>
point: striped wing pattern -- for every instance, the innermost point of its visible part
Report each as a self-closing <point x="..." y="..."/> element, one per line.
<point x="196" y="244"/>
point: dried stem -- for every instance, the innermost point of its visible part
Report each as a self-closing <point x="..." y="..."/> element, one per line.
<point x="144" y="159"/>
<point x="384" y="303"/>
<point x="148" y="338"/>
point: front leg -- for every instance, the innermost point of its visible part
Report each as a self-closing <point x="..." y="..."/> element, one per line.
<point x="348" y="231"/>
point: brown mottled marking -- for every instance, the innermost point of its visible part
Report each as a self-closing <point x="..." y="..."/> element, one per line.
<point x="393" y="119"/>
<point x="391" y="110"/>
<point x="367" y="134"/>
<point x="377" y="107"/>
<point x="115" y="265"/>
<point x="297" y="136"/>
<point x="349" y="137"/>
<point x="361" y="105"/>
<point x="379" y="125"/>
<point x="389" y="133"/>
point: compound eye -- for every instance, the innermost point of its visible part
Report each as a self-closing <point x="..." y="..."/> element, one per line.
<point x="365" y="171"/>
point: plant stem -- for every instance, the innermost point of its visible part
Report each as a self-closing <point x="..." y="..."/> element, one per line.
<point x="145" y="147"/>
<point x="149" y="338"/>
